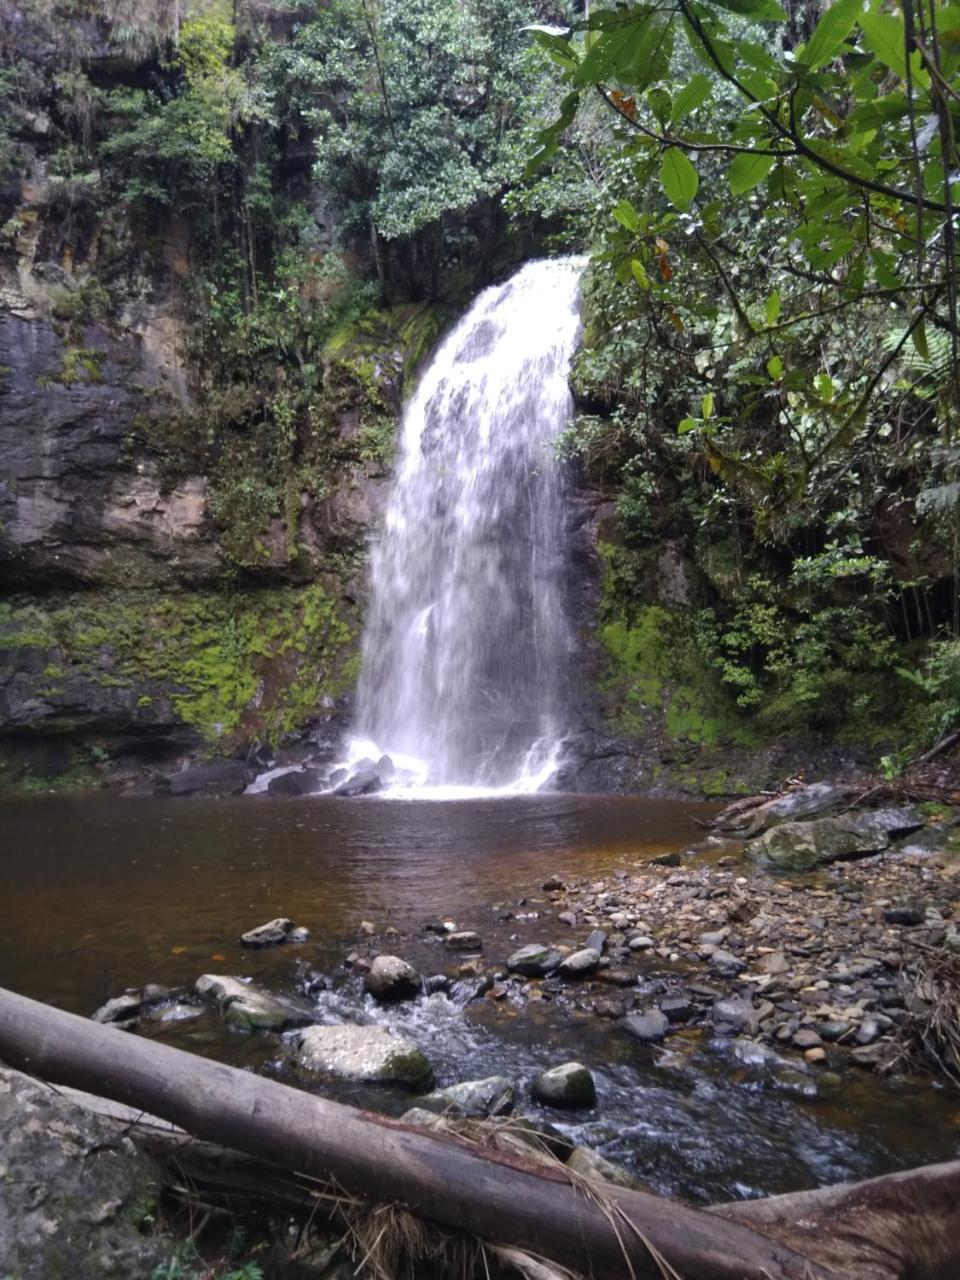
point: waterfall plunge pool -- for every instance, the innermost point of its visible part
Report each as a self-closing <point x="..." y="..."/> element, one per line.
<point x="101" y="893"/>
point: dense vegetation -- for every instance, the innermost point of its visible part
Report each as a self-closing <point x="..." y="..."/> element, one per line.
<point x="769" y="375"/>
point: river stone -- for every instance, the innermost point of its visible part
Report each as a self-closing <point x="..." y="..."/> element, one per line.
<point x="494" y="1096"/>
<point x="390" y="978"/>
<point x="726" y="963"/>
<point x="908" y="915"/>
<point x="534" y="960"/>
<point x="363" y="782"/>
<point x="650" y="1026"/>
<point x="579" y="963"/>
<point x="569" y="1085"/>
<point x="77" y="1199"/>
<point x="298" y="782"/>
<point x="798" y="846"/>
<point x="250" y="1008"/>
<point x="736" y="1013"/>
<point x="271" y="934"/>
<point x="641" y="942"/>
<point x="807" y="802"/>
<point x="597" y="940"/>
<point x="178" y="1012"/>
<point x="371" y="1055"/>
<point x="590" y="1164"/>
<point x="463" y="940"/>
<point x="123" y="1008"/>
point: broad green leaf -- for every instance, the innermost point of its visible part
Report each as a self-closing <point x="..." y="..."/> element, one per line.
<point x="646" y="59"/>
<point x="693" y="94"/>
<point x="706" y="406"/>
<point x="754" y="55"/>
<point x="627" y="216"/>
<point x="775" y="368"/>
<point x="834" y="26"/>
<point x="687" y="425"/>
<point x="608" y="49"/>
<point x="762" y="10"/>
<point x="773" y="308"/>
<point x="748" y="171"/>
<point x="919" y="339"/>
<point x="824" y="386"/>
<point x="639" y="273"/>
<point x="884" y="36"/>
<point x="660" y="104"/>
<point x="678" y="177"/>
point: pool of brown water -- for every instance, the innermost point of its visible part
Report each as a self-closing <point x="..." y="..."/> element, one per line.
<point x="102" y="893"/>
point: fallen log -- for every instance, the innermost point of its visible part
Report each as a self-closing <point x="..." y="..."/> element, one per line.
<point x="603" y="1232"/>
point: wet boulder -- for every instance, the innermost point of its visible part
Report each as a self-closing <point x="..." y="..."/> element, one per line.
<point x="369" y="1055"/>
<point x="362" y="782"/>
<point x="649" y="1027"/>
<point x="494" y="1096"/>
<point x="535" y="960"/>
<point x="568" y="1085"/>
<point x="271" y="934"/>
<point x="463" y="940"/>
<point x="736" y="1014"/>
<point x="219" y="777"/>
<point x="813" y="801"/>
<point x="251" y="1008"/>
<point x="389" y="978"/>
<point x="800" y="846"/>
<point x="579" y="963"/>
<point x="298" y="782"/>
<point x="121" y="1010"/>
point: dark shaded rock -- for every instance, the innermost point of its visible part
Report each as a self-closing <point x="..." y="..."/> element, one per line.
<point x="220" y="777"/>
<point x="125" y="1008"/>
<point x="666" y="860"/>
<point x="597" y="940"/>
<point x="535" y="960"/>
<point x="677" y="1008"/>
<point x="390" y="978"/>
<point x="553" y="883"/>
<point x="908" y="915"/>
<point x="568" y="1085"/>
<point x="650" y="1026"/>
<point x="363" y="782"/>
<point x="299" y="782"/>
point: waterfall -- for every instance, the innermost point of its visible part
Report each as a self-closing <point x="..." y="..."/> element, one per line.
<point x="467" y="646"/>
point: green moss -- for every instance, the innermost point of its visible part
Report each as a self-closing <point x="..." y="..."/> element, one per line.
<point x="234" y="665"/>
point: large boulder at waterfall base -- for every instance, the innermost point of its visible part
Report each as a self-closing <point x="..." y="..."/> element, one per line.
<point x="365" y="1055"/>
<point x="364" y="782"/>
<point x="219" y="777"/>
<point x="569" y="1085"/>
<point x="249" y="1008"/>
<point x="298" y="782"/>
<point x="389" y="978"/>
<point x="535" y="960"/>
<point x="494" y="1096"/>
<point x="799" y="846"/>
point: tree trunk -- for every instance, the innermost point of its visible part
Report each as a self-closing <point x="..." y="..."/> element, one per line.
<point x="601" y="1231"/>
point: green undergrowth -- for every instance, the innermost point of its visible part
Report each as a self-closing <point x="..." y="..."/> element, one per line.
<point x="234" y="666"/>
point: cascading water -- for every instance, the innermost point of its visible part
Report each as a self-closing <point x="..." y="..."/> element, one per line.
<point x="467" y="645"/>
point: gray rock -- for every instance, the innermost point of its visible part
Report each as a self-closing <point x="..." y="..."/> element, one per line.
<point x="579" y="963"/>
<point x="371" y="1055"/>
<point x="494" y="1096"/>
<point x="798" y="846"/>
<point x="726" y="964"/>
<point x="677" y="1008"/>
<point x="298" y="782"/>
<point x="597" y="940"/>
<point x="250" y="1008"/>
<point x="568" y="1085"/>
<point x="271" y="934"/>
<point x="535" y="960"/>
<point x="590" y="1164"/>
<point x="390" y="978"/>
<point x="77" y="1200"/>
<point x="463" y="940"/>
<point x="806" y="1038"/>
<point x="753" y="1054"/>
<point x="125" y="1008"/>
<point x="650" y="1026"/>
<point x="908" y="915"/>
<point x="807" y="802"/>
<point x="220" y="777"/>
<point x="737" y="1014"/>
<point x="641" y="942"/>
<point x="174" y="1013"/>
<point x="833" y="1029"/>
<point x="362" y="782"/>
<point x="868" y="1031"/>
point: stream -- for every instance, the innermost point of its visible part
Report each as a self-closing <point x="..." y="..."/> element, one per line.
<point x="103" y="893"/>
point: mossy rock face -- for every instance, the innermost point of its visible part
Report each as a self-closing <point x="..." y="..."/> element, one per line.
<point x="208" y="670"/>
<point x="76" y="1199"/>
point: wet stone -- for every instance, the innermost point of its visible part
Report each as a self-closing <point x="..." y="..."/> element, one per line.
<point x="677" y="1008"/>
<point x="597" y="940"/>
<point x="494" y="1096"/>
<point x="371" y="1054"/>
<point x="649" y="1027"/>
<point x="390" y="978"/>
<point x="568" y="1085"/>
<point x="123" y="1009"/>
<point x="463" y="940"/>
<point x="535" y="960"/>
<point x="579" y="963"/>
<point x="271" y="934"/>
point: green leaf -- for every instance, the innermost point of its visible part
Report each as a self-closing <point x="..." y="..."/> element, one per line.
<point x="748" y="171"/>
<point x="627" y="216"/>
<point x="762" y="10"/>
<point x="706" y="406"/>
<point x="615" y="48"/>
<point x="883" y="266"/>
<point x="693" y="94"/>
<point x="919" y="339"/>
<point x="775" y="368"/>
<point x="824" y="386"/>
<point x="773" y="308"/>
<point x="884" y="36"/>
<point x="834" y="26"/>
<point x="639" y="273"/>
<point x="660" y="104"/>
<point x="678" y="177"/>
<point x="686" y="426"/>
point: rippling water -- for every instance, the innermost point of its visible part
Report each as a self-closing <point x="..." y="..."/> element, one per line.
<point x="103" y="893"/>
